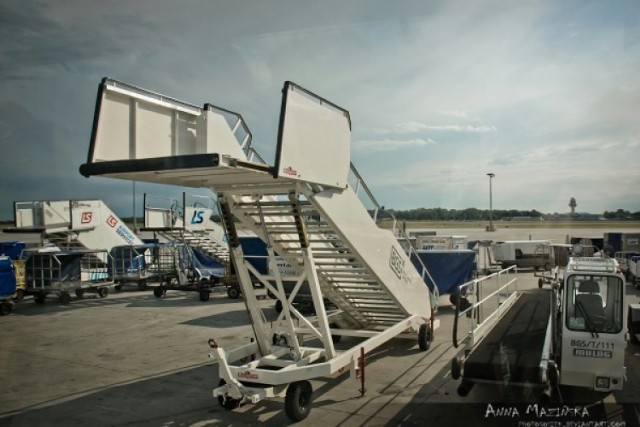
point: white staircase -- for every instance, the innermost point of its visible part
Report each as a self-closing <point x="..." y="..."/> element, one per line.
<point x="73" y="224"/>
<point x="191" y="225"/>
<point x="309" y="208"/>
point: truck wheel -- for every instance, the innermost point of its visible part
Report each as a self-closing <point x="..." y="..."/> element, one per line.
<point x="20" y="294"/>
<point x="65" y="298"/>
<point x="103" y="292"/>
<point x="5" y="308"/>
<point x="456" y="368"/>
<point x="142" y="285"/>
<point x="39" y="298"/>
<point x="227" y="403"/>
<point x="158" y="291"/>
<point x="540" y="283"/>
<point x="297" y="402"/>
<point x="233" y="292"/>
<point x="204" y="295"/>
<point x="118" y="287"/>
<point x="80" y="293"/>
<point x="424" y="337"/>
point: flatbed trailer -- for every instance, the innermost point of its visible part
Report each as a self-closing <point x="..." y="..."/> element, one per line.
<point x="572" y="334"/>
<point x="513" y="352"/>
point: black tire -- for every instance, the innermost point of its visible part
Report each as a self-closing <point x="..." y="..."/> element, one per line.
<point x="278" y="307"/>
<point x="204" y="295"/>
<point x="5" y="308"/>
<point x="118" y="287"/>
<point x="540" y="283"/>
<point x="298" y="401"/>
<point x="158" y="291"/>
<point x="424" y="337"/>
<point x="227" y="403"/>
<point x="456" y="369"/>
<point x="142" y="285"/>
<point x="80" y="293"/>
<point x="453" y="298"/>
<point x="39" y="298"/>
<point x="233" y="292"/>
<point x="65" y="298"/>
<point x="103" y="292"/>
<point x="335" y="338"/>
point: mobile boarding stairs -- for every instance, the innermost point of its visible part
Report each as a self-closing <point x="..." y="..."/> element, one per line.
<point x="190" y="224"/>
<point x="306" y="208"/>
<point x="72" y="224"/>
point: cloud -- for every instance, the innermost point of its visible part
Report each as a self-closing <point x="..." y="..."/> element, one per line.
<point x="416" y="127"/>
<point x="391" y="144"/>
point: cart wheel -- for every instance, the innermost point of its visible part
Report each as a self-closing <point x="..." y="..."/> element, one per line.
<point x="204" y="295"/>
<point x="297" y="403"/>
<point x="19" y="294"/>
<point x="79" y="293"/>
<point x="142" y="285"/>
<point x="158" y="291"/>
<point x="65" y="298"/>
<point x="227" y="403"/>
<point x="456" y="368"/>
<point x="547" y="266"/>
<point x="424" y="337"/>
<point x="118" y="287"/>
<point x="39" y="298"/>
<point x="103" y="292"/>
<point x="5" y="308"/>
<point x="540" y="283"/>
<point x="278" y="306"/>
<point x="335" y="338"/>
<point x="233" y="292"/>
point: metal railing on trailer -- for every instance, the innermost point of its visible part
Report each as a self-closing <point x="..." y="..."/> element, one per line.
<point x="63" y="272"/>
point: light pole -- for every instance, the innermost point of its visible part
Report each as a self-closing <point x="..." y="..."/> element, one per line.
<point x="135" y="221"/>
<point x="490" y="227"/>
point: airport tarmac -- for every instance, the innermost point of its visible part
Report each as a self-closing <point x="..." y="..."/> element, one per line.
<point x="134" y="359"/>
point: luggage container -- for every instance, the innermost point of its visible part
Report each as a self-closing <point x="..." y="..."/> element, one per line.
<point x="63" y="272"/>
<point x="174" y="266"/>
<point x="7" y="285"/>
<point x="523" y="253"/>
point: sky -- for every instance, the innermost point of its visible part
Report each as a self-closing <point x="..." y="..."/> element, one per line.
<point x="543" y="94"/>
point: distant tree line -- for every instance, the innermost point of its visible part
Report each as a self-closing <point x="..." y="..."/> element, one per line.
<point x="469" y="214"/>
<point x="621" y="214"/>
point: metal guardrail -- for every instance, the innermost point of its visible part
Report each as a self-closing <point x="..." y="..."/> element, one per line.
<point x="482" y="302"/>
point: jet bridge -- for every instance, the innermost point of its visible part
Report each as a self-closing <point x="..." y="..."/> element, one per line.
<point x="312" y="209"/>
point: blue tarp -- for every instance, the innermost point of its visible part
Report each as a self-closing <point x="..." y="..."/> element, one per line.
<point x="449" y="268"/>
<point x="7" y="278"/>
<point x="12" y="249"/>
<point x="206" y="265"/>
<point x="255" y="252"/>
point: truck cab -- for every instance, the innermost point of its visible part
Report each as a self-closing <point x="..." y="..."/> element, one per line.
<point x="592" y="342"/>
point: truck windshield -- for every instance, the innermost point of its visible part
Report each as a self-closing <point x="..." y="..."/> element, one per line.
<point x="594" y="303"/>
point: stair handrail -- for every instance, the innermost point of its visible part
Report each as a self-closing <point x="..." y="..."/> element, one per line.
<point x="397" y="231"/>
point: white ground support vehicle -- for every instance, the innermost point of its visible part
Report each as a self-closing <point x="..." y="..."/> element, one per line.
<point x="633" y="270"/>
<point x="572" y="334"/>
<point x="312" y="209"/>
